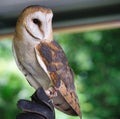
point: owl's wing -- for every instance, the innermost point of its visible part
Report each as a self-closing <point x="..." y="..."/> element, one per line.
<point x="53" y="61"/>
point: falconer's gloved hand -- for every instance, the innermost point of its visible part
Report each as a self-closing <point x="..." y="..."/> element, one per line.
<point x="39" y="108"/>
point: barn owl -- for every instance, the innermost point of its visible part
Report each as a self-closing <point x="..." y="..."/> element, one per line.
<point x="42" y="60"/>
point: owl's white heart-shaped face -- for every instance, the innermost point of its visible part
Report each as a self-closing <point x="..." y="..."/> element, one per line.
<point x="36" y="23"/>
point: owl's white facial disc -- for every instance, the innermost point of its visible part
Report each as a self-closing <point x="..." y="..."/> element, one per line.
<point x="39" y="25"/>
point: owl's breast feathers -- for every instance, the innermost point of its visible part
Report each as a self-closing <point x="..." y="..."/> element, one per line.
<point x="60" y="73"/>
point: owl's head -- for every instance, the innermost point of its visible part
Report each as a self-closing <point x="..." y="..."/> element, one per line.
<point x="35" y="22"/>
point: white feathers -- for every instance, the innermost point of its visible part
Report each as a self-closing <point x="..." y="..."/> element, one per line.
<point x="28" y="76"/>
<point x="42" y="64"/>
<point x="42" y="29"/>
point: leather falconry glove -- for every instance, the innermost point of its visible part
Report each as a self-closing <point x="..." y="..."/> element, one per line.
<point x="40" y="107"/>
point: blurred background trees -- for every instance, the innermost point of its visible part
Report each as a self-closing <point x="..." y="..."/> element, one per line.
<point x="94" y="56"/>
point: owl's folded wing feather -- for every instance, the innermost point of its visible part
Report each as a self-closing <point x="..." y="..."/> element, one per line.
<point x="53" y="61"/>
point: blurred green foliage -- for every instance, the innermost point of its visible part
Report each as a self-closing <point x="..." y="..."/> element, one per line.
<point x="94" y="56"/>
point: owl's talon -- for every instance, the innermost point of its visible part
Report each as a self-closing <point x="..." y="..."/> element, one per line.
<point x="51" y="92"/>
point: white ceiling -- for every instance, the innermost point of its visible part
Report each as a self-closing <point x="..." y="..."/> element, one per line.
<point x="67" y="12"/>
<point x="16" y="6"/>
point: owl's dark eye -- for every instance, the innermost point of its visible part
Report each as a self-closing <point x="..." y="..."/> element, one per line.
<point x="37" y="21"/>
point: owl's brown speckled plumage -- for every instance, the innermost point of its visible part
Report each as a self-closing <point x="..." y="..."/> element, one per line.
<point x="42" y="60"/>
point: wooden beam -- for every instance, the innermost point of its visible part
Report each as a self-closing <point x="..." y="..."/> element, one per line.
<point x="6" y="36"/>
<point x="74" y="29"/>
<point x="88" y="27"/>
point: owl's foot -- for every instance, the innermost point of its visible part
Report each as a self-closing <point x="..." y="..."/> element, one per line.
<point x="51" y="92"/>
